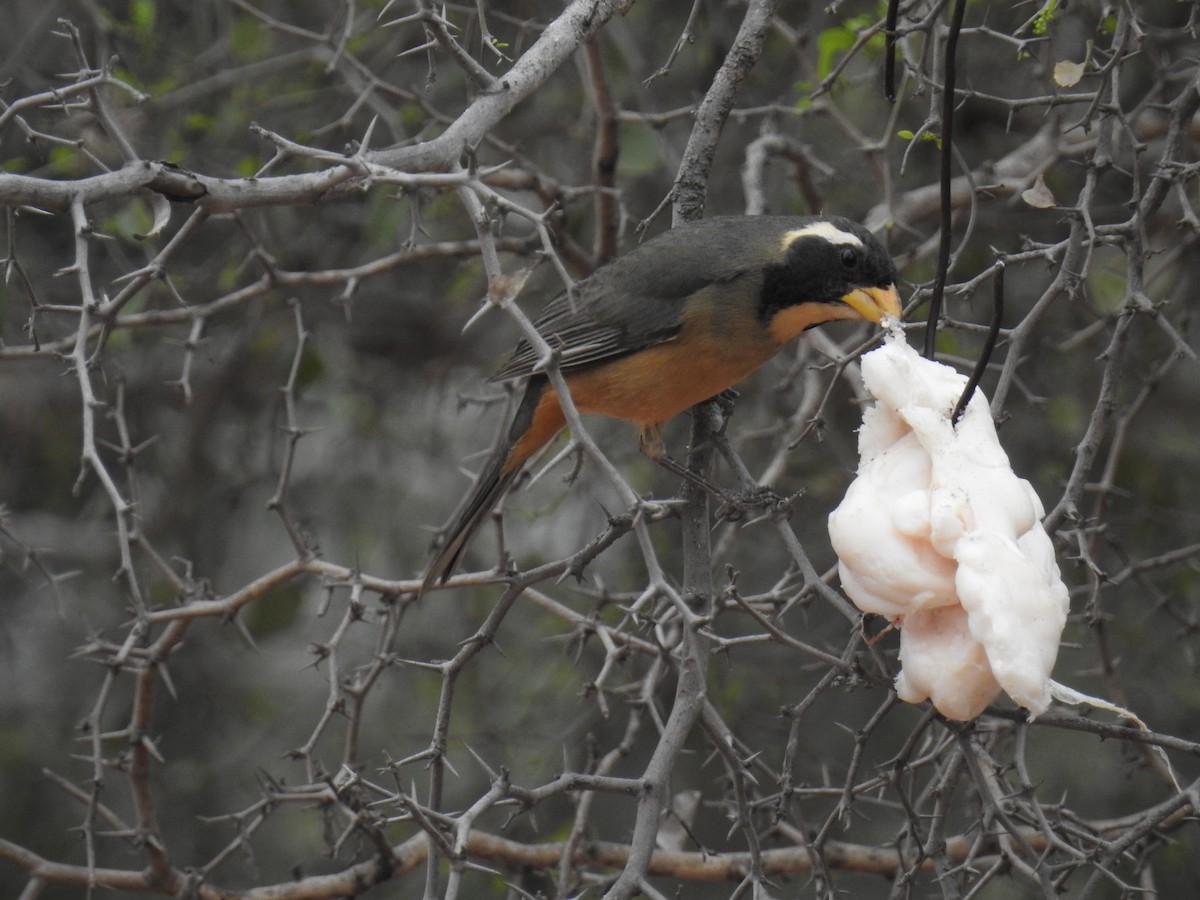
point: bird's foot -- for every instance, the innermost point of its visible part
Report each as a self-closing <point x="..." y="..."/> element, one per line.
<point x="726" y="400"/>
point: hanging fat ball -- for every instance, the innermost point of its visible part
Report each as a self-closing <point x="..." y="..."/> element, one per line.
<point x="938" y="534"/>
<point x="673" y="323"/>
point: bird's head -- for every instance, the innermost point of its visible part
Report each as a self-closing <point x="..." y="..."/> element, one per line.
<point x="827" y="268"/>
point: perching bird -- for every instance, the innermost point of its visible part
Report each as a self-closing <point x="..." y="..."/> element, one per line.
<point x="673" y="323"/>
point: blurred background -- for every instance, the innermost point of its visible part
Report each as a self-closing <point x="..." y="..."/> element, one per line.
<point x="317" y="678"/>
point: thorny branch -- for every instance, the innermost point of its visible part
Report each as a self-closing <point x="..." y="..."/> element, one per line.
<point x="439" y="744"/>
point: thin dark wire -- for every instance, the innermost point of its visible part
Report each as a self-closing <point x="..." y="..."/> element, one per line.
<point x="889" y="50"/>
<point x="939" y="284"/>
<point x="988" y="346"/>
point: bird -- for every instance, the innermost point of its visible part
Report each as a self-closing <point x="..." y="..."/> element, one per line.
<point x="672" y="323"/>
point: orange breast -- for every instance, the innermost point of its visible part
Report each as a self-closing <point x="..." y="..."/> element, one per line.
<point x="660" y="382"/>
<point x="719" y="344"/>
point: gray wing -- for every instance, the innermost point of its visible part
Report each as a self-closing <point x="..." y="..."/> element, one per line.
<point x="658" y="277"/>
<point x="583" y="336"/>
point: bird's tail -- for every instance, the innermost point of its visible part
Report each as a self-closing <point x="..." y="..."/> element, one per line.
<point x="498" y="475"/>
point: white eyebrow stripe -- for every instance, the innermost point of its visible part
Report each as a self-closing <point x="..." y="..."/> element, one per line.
<point x="826" y="230"/>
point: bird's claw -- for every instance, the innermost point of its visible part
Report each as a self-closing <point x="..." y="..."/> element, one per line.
<point x="726" y="400"/>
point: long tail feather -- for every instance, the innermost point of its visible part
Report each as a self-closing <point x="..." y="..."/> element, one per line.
<point x="498" y="475"/>
<point x="490" y="487"/>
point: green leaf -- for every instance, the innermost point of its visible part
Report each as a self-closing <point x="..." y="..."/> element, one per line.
<point x="247" y="166"/>
<point x="63" y="162"/>
<point x="905" y="134"/>
<point x="142" y="14"/>
<point x="1041" y="22"/>
<point x="830" y="43"/>
<point x="250" y="42"/>
<point x="198" y="122"/>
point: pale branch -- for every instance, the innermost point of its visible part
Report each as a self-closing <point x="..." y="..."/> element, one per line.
<point x="266" y="285"/>
<point x="691" y="181"/>
<point x="559" y="39"/>
<point x="649" y="655"/>
<point x="293" y="432"/>
<point x="705" y="865"/>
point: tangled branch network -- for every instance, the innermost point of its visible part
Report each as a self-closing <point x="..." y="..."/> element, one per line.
<point x="259" y="259"/>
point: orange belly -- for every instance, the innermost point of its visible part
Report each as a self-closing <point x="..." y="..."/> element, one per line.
<point x="647" y="388"/>
<point x="660" y="382"/>
<point x="718" y="345"/>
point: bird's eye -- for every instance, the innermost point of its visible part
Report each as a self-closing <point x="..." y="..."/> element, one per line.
<point x="849" y="258"/>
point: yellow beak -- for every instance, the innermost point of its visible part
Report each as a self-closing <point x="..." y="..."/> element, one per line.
<point x="874" y="303"/>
